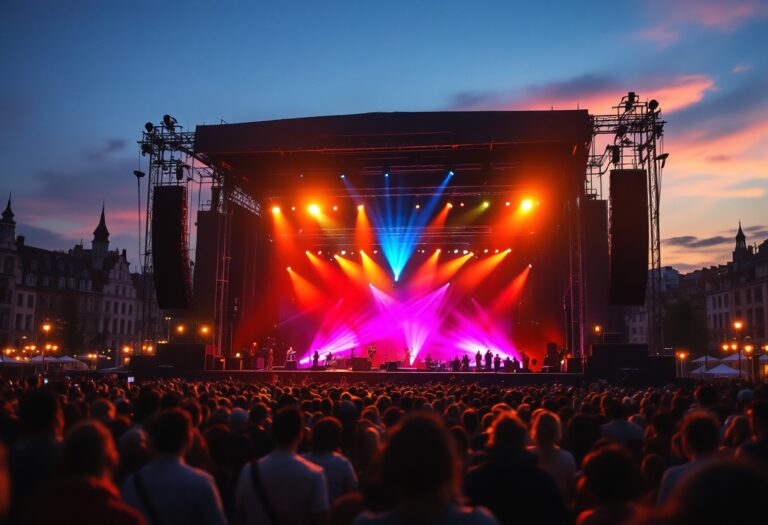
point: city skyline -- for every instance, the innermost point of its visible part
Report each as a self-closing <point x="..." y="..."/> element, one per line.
<point x="73" y="110"/>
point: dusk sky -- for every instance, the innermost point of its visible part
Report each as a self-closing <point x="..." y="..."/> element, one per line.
<point x="80" y="79"/>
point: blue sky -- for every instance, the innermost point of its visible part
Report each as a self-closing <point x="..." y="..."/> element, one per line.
<point x="80" y="79"/>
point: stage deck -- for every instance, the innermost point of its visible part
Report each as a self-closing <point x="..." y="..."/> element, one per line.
<point x="372" y="377"/>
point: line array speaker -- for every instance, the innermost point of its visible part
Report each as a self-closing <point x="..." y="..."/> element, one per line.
<point x="170" y="256"/>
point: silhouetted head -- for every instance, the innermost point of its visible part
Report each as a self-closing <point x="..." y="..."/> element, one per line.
<point x="170" y="432"/>
<point x="701" y="434"/>
<point x="288" y="426"/>
<point x="612" y="476"/>
<point x="326" y="435"/>
<point x="507" y="433"/>
<point x="546" y="430"/>
<point x="88" y="450"/>
<point x="419" y="459"/>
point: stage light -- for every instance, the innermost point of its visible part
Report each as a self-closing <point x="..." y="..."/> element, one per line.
<point x="149" y="127"/>
<point x="319" y="252"/>
<point x="507" y="203"/>
<point x="653" y="105"/>
<point x="288" y="268"/>
<point x="343" y="252"/>
<point x="375" y="251"/>
<point x="496" y="250"/>
<point x="275" y="210"/>
<point x="438" y="250"/>
<point x="418" y="206"/>
<point x="461" y="204"/>
<point x="343" y="176"/>
<point x="293" y="208"/>
<point x="314" y="209"/>
<point x="526" y="205"/>
<point x="509" y="250"/>
<point x="335" y="208"/>
<point x="204" y="330"/>
<point x="486" y="204"/>
<point x="485" y="251"/>
<point x="530" y="265"/>
<point x="450" y="173"/>
<point x="449" y="205"/>
<point x="455" y="251"/>
<point x="360" y="207"/>
<point x="146" y="149"/>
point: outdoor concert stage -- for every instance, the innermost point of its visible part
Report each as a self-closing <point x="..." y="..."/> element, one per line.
<point x="374" y="377"/>
<point x="442" y="233"/>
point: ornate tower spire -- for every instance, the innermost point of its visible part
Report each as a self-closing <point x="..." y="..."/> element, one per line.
<point x="101" y="233"/>
<point x="8" y="213"/>
<point x="740" y="254"/>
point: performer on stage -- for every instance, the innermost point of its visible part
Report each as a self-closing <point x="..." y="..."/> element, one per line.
<point x="290" y="355"/>
<point x="270" y="358"/>
<point x="488" y="360"/>
<point x="371" y="353"/>
<point x="315" y="359"/>
<point x="328" y="358"/>
<point x="478" y="361"/>
<point x="428" y="362"/>
<point x="497" y="363"/>
<point x="251" y="353"/>
<point x="407" y="356"/>
<point x="465" y="363"/>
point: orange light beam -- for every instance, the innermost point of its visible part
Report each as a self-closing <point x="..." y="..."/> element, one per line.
<point x="374" y="273"/>
<point x="352" y="270"/>
<point x="447" y="270"/>
<point x="425" y="275"/>
<point x="324" y="269"/>
<point x="363" y="232"/>
<point x="479" y="271"/>
<point x="307" y="294"/>
<point x="511" y="292"/>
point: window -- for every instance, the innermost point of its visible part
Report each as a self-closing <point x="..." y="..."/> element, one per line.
<point x="759" y="294"/>
<point x="19" y="326"/>
<point x="122" y="326"/>
<point x="736" y="298"/>
<point x="62" y="282"/>
<point x="719" y="301"/>
<point x="28" y="322"/>
<point x="726" y="301"/>
<point x="72" y="283"/>
<point x="130" y="309"/>
<point x="122" y="308"/>
<point x="116" y="307"/>
<point x="30" y="301"/>
<point x="749" y="295"/>
<point x="20" y="300"/>
<point x="8" y="264"/>
<point x="114" y="326"/>
<point x="106" y="306"/>
<point x="31" y="280"/>
<point x="759" y="315"/>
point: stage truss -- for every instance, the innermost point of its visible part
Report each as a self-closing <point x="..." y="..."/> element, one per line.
<point x="174" y="162"/>
<point x="637" y="132"/>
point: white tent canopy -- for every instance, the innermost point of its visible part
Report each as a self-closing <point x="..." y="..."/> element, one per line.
<point x="706" y="359"/>
<point x="722" y="371"/>
<point x="731" y="358"/>
<point x="39" y="359"/>
<point x="698" y="372"/>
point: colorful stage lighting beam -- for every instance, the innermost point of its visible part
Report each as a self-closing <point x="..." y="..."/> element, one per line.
<point x="275" y="210"/>
<point x="327" y="272"/>
<point x="511" y="293"/>
<point x="313" y="210"/>
<point x="373" y="272"/>
<point x="352" y="270"/>
<point x="526" y="205"/>
<point x="307" y="294"/>
<point x="447" y="270"/>
<point x="480" y="270"/>
<point x="363" y="232"/>
<point x="477" y="330"/>
<point x="425" y="275"/>
<point x="400" y="229"/>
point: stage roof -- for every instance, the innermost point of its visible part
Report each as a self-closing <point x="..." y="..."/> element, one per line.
<point x="476" y="144"/>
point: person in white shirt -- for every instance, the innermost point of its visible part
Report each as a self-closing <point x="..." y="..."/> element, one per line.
<point x="547" y="433"/>
<point x="167" y="491"/>
<point x="282" y="488"/>
<point x="339" y="473"/>
<point x="701" y="438"/>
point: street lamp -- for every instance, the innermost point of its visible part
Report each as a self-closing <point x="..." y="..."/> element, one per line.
<point x="46" y="330"/>
<point x="738" y="325"/>
<point x="682" y="357"/>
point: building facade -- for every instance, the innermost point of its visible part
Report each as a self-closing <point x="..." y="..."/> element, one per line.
<point x="738" y="291"/>
<point x="88" y="296"/>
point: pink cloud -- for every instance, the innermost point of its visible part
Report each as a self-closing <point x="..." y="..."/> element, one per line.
<point x="708" y="14"/>
<point x="599" y="97"/>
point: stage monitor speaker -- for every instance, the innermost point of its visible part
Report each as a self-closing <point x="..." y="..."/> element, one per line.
<point x="620" y="363"/>
<point x="361" y="364"/>
<point x="628" y="272"/>
<point x="170" y="254"/>
<point x="291" y="365"/>
<point x="391" y="366"/>
<point x="185" y="356"/>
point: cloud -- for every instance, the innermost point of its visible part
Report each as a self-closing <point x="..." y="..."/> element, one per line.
<point x="709" y="15"/>
<point x="741" y="68"/>
<point x="110" y="146"/>
<point x="691" y="241"/>
<point x="598" y="93"/>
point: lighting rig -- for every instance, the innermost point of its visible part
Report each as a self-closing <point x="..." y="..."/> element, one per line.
<point x="633" y="138"/>
<point x="173" y="162"/>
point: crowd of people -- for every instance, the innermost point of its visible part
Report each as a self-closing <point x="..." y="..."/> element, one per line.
<point x="173" y="451"/>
